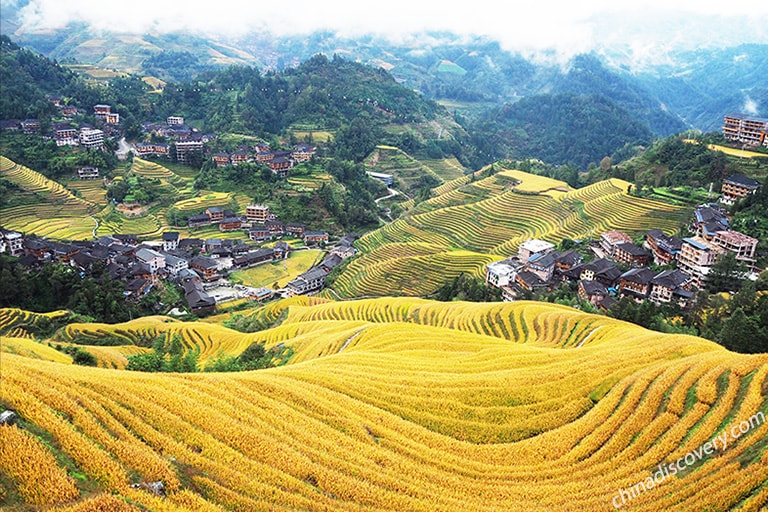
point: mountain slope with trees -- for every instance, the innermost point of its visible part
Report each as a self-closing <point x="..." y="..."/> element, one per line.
<point x="560" y="129"/>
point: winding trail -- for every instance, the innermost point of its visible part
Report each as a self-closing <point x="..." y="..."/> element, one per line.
<point x="392" y="193"/>
<point x="96" y="228"/>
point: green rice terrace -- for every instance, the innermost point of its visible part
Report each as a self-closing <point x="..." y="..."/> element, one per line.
<point x="410" y="173"/>
<point x="57" y="213"/>
<point x="81" y="209"/>
<point x="469" y="224"/>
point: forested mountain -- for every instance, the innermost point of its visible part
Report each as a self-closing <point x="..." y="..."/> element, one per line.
<point x="587" y="75"/>
<point x="560" y="128"/>
<point x="677" y="90"/>
<point x="479" y="80"/>
<point x="325" y="92"/>
<point x="26" y="78"/>
<point x="703" y="85"/>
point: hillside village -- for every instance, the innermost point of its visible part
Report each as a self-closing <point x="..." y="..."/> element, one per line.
<point x="171" y="140"/>
<point x="537" y="266"/>
<point x="194" y="264"/>
<point x="198" y="265"/>
<point x="687" y="261"/>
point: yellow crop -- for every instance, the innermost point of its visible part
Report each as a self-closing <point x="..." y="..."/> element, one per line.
<point x="33" y="468"/>
<point x="409" y="404"/>
<point x="456" y="230"/>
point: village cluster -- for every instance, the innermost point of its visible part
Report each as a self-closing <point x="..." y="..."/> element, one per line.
<point x="198" y="265"/>
<point x="195" y="264"/>
<point x="173" y="138"/>
<point x="539" y="266"/>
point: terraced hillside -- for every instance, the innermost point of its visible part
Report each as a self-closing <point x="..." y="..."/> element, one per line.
<point x="207" y="200"/>
<point x="57" y="214"/>
<point x="155" y="170"/>
<point x="409" y="171"/>
<point x="403" y="404"/>
<point x="470" y="223"/>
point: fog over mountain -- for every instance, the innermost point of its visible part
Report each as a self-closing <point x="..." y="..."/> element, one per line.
<point x="672" y="66"/>
<point x="633" y="34"/>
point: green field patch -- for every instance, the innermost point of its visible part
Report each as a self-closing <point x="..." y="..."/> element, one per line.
<point x="280" y="272"/>
<point x="446" y="66"/>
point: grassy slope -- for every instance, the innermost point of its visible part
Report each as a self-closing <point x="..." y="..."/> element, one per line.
<point x="405" y="404"/>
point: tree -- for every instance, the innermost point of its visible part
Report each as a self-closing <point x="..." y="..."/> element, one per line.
<point x="740" y="333"/>
<point x="469" y="288"/>
<point x="726" y="274"/>
<point x="84" y="358"/>
<point x="356" y="140"/>
<point x="148" y="362"/>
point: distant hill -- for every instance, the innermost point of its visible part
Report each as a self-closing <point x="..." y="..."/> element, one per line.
<point x="560" y="129"/>
<point x="129" y="52"/>
<point x="683" y="89"/>
<point x="704" y="85"/>
<point x="587" y="75"/>
<point x="365" y="105"/>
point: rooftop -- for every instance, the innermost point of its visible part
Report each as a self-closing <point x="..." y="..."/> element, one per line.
<point x="698" y="243"/>
<point x="747" y="117"/>
<point x="736" y="238"/>
<point x="744" y="181"/>
<point x="535" y="245"/>
<point x="614" y="236"/>
<point x="641" y="275"/>
<point x="671" y="278"/>
<point x="632" y="249"/>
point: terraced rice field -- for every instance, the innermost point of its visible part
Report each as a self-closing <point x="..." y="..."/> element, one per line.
<point x="205" y="200"/>
<point x="184" y="171"/>
<point x="314" y="182"/>
<point x="154" y="170"/>
<point x="490" y="218"/>
<point x="148" y="225"/>
<point x="406" y="169"/>
<point x="739" y="153"/>
<point x="91" y="190"/>
<point x="32" y="349"/>
<point x="401" y="404"/>
<point x="446" y="169"/>
<point x="58" y="215"/>
<point x="17" y="323"/>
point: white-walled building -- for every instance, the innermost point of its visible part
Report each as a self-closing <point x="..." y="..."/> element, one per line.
<point x="532" y="247"/>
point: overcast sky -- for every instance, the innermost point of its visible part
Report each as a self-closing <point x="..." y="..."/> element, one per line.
<point x="571" y="26"/>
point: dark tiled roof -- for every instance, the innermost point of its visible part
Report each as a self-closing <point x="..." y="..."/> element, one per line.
<point x="671" y="279"/>
<point x="632" y="249"/>
<point x="203" y="262"/>
<point x="593" y="288"/>
<point x="744" y="181"/>
<point x="638" y="275"/>
<point x="531" y="279"/>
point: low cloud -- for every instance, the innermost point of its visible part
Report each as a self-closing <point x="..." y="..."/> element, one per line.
<point x="750" y="106"/>
<point x="562" y="30"/>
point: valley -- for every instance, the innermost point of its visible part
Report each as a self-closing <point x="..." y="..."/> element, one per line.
<point x="249" y="270"/>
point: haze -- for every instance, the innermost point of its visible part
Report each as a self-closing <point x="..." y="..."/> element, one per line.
<point x="566" y="27"/>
